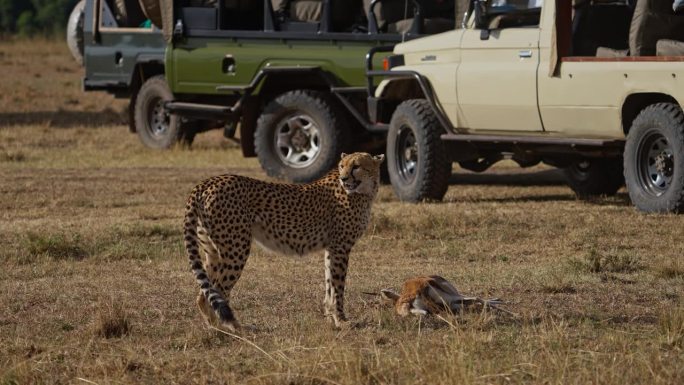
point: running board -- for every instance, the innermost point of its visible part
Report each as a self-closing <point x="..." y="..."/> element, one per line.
<point x="201" y="111"/>
<point x="511" y="139"/>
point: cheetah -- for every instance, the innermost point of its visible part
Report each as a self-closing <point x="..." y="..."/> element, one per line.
<point x="224" y="214"/>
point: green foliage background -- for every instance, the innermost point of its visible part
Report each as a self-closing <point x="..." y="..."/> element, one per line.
<point x="32" y="17"/>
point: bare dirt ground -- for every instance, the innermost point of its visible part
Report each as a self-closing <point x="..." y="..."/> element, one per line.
<point x="95" y="288"/>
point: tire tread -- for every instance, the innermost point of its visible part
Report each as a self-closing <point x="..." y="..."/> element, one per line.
<point x="674" y="119"/>
<point x="437" y="165"/>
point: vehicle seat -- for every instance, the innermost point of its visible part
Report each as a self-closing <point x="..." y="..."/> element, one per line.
<point x="666" y="47"/>
<point x="398" y="16"/>
<point x="653" y="20"/>
<point x="611" y="53"/>
<point x="601" y="28"/>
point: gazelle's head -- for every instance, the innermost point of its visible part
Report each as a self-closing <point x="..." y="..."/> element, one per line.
<point x="360" y="173"/>
<point x="424" y="295"/>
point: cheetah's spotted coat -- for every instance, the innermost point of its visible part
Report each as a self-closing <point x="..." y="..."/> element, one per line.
<point x="225" y="213"/>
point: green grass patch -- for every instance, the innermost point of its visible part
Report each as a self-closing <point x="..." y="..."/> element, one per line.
<point x="671" y="324"/>
<point x="12" y="156"/>
<point x="669" y="270"/>
<point x="56" y="246"/>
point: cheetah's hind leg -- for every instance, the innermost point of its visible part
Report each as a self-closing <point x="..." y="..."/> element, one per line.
<point x="220" y="276"/>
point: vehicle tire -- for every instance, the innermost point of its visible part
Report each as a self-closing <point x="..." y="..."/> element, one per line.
<point x="155" y="126"/>
<point x="595" y="177"/>
<point x="299" y="136"/>
<point x="654" y="159"/>
<point x="74" y="31"/>
<point x="418" y="165"/>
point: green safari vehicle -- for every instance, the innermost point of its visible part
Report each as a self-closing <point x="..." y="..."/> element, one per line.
<point x="288" y="78"/>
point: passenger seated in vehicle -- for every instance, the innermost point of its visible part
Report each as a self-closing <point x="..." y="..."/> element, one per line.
<point x="655" y="20"/>
<point x="127" y="13"/>
<point x="601" y="28"/>
<point x="508" y="13"/>
<point x="308" y="11"/>
<point x="290" y="14"/>
<point x="654" y="29"/>
<point x="398" y="16"/>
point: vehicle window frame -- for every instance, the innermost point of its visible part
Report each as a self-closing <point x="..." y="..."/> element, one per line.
<point x="264" y="33"/>
<point x="97" y="23"/>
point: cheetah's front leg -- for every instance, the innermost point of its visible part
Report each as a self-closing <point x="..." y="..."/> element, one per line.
<point x="335" y="274"/>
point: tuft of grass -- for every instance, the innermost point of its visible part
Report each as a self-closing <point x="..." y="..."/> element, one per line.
<point x="155" y="230"/>
<point x="669" y="270"/>
<point x="9" y="381"/>
<point x="12" y="156"/>
<point x="382" y="223"/>
<point x="671" y="324"/>
<point x="613" y="262"/>
<point x="55" y="246"/>
<point x="112" y="322"/>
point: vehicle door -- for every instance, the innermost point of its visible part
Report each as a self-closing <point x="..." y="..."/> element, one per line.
<point x="217" y="52"/>
<point x="497" y="78"/>
<point x="113" y="43"/>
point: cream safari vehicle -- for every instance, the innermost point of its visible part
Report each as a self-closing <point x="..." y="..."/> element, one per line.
<point x="593" y="87"/>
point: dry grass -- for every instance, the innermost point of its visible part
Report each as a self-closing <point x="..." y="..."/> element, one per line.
<point x="90" y="227"/>
<point x="112" y="322"/>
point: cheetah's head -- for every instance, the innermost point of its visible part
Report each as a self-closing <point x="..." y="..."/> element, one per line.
<point x="360" y="172"/>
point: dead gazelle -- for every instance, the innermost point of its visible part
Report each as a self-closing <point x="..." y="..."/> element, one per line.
<point x="433" y="295"/>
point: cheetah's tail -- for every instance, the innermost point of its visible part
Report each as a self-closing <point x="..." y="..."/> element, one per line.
<point x="192" y="245"/>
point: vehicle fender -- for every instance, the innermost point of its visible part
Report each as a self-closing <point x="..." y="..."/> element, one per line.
<point x="635" y="102"/>
<point x="400" y="88"/>
<point x="146" y="66"/>
<point x="283" y="78"/>
<point x="277" y="79"/>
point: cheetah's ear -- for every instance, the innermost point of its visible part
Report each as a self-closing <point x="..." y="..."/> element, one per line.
<point x="343" y="155"/>
<point x="389" y="295"/>
<point x="379" y="158"/>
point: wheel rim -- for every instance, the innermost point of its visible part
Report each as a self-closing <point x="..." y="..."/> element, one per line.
<point x="158" y="118"/>
<point x="655" y="163"/>
<point x="406" y="154"/>
<point x="297" y="141"/>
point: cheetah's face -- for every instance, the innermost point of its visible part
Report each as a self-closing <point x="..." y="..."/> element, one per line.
<point x="360" y="172"/>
